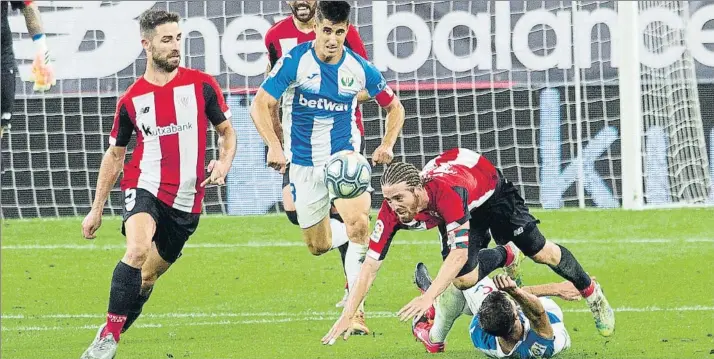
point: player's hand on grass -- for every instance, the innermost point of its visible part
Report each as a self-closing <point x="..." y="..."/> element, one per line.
<point x="341" y="327"/>
<point x="416" y="308"/>
<point x="276" y="159"/>
<point x="218" y="170"/>
<point x="91" y="223"/>
<point x="382" y="155"/>
<point x="505" y="283"/>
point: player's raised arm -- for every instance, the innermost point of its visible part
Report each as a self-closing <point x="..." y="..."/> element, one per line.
<point x="531" y="306"/>
<point x="111" y="167"/>
<point x="377" y="87"/>
<point x="42" y="72"/>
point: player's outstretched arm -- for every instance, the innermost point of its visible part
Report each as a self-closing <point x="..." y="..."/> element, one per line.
<point x="367" y="275"/>
<point x="563" y="290"/>
<point x="109" y="171"/>
<point x="43" y="74"/>
<point x="453" y="263"/>
<point x="529" y="303"/>
<point x="261" y="113"/>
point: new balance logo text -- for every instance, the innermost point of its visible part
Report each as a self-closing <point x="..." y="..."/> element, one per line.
<point x="323" y="104"/>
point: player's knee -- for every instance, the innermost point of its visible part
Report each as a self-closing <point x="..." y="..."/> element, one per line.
<point x="357" y="227"/>
<point x="292" y="217"/>
<point x="531" y="242"/>
<point x="136" y="255"/>
<point x="318" y="248"/>
<point x="549" y="254"/>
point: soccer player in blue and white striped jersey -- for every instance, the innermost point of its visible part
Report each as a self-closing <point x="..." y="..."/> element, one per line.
<point x="319" y="82"/>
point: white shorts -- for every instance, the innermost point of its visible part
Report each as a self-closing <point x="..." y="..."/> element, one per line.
<point x="312" y="201"/>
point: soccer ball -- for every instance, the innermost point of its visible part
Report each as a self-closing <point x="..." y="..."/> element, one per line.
<point x="347" y="174"/>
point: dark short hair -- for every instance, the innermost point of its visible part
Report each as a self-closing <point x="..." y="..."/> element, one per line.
<point x="150" y="19"/>
<point x="335" y="11"/>
<point x="496" y="314"/>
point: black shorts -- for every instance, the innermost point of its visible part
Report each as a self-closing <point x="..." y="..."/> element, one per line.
<point x="173" y="227"/>
<point x="7" y="91"/>
<point x="504" y="216"/>
<point x="286" y="176"/>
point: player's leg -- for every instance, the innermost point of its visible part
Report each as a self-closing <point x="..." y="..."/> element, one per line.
<point x="140" y="219"/>
<point x="174" y="230"/>
<point x="7" y="99"/>
<point x="288" y="200"/>
<point x="152" y="269"/>
<point x="355" y="214"/>
<point x="516" y="222"/>
<point x="312" y="204"/>
<point x="433" y="329"/>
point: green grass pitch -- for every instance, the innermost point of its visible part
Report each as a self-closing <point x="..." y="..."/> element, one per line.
<point x="246" y="287"/>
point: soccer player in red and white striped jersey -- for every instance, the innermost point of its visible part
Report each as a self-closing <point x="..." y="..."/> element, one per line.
<point x="169" y="109"/>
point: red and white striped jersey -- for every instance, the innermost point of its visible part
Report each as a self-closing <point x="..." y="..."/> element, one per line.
<point x="170" y="123"/>
<point x="457" y="181"/>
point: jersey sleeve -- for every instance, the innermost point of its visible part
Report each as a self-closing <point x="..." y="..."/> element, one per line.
<point x="281" y="76"/>
<point x="216" y="109"/>
<point x="270" y="47"/>
<point x="19" y="5"/>
<point x="452" y="205"/>
<point x="376" y="85"/>
<point x="355" y="43"/>
<point x="123" y="126"/>
<point x="384" y="230"/>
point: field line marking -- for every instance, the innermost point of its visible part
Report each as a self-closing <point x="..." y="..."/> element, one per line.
<point x="281" y="317"/>
<point x="275" y="244"/>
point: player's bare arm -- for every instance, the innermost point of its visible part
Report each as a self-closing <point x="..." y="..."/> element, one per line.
<point x="226" y="152"/>
<point x="32" y="19"/>
<point x="564" y="290"/>
<point x="367" y="275"/>
<point x="42" y="71"/>
<point x="394" y="123"/>
<point x="275" y="114"/>
<point x="111" y="167"/>
<point x="263" y="105"/>
<point x="529" y="303"/>
<point x="447" y="273"/>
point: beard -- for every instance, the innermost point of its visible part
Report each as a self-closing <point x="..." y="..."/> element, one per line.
<point x="305" y="18"/>
<point x="165" y="64"/>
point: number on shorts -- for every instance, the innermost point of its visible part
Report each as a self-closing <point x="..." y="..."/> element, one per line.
<point x="130" y="199"/>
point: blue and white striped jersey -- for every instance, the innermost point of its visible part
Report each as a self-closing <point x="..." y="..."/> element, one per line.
<point x="531" y="345"/>
<point x="319" y="102"/>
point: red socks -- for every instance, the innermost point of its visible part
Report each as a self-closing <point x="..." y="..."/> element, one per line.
<point x="114" y="325"/>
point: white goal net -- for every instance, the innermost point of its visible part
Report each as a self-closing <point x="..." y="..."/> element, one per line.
<point x="533" y="85"/>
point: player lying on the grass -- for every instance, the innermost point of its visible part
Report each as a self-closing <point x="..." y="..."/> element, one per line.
<point x="295" y="29"/>
<point x="170" y="109"/>
<point x="532" y="327"/>
<point x="463" y="194"/>
<point x="321" y="80"/>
